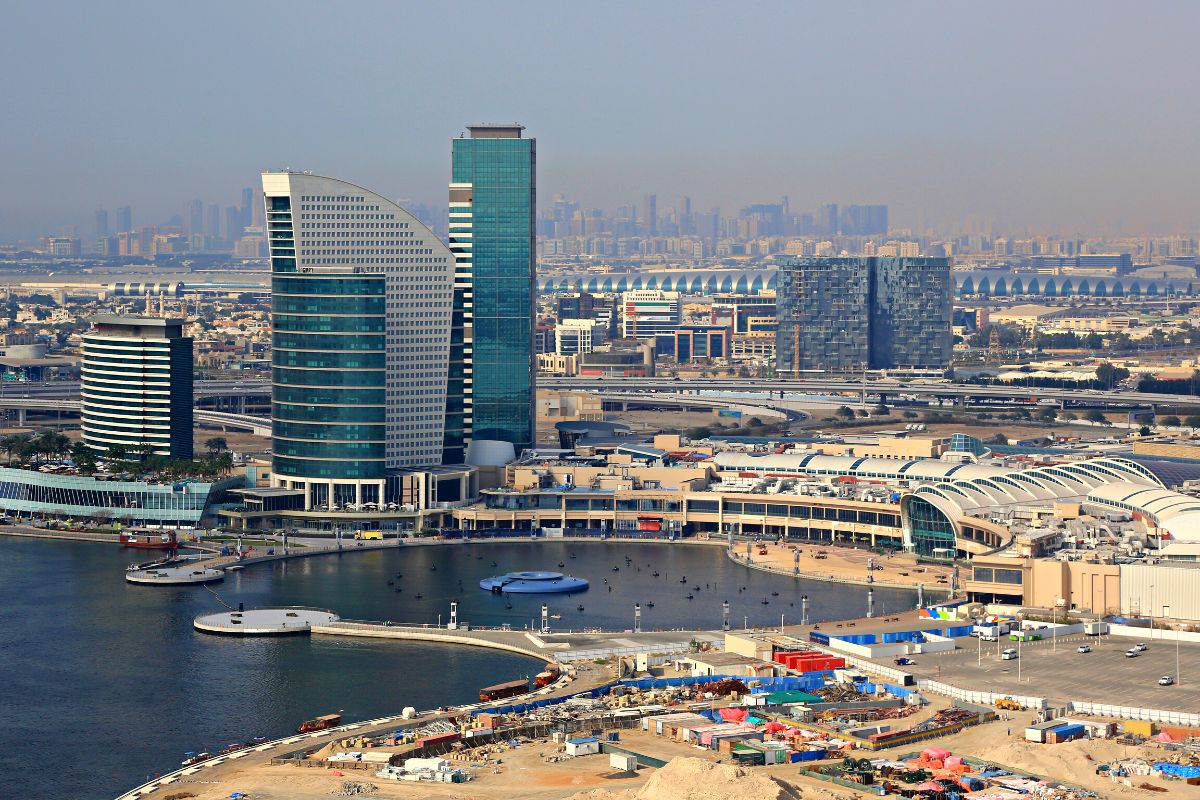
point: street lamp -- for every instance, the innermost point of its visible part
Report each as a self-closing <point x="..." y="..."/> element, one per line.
<point x="1167" y="613"/>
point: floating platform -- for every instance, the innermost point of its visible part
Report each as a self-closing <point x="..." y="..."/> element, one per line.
<point x="533" y="583"/>
<point x="264" y="621"/>
<point x="174" y="576"/>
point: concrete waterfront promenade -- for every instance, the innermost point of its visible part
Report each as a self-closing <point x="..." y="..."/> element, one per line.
<point x="552" y="646"/>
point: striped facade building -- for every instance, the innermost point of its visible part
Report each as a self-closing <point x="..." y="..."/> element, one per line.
<point x="137" y="386"/>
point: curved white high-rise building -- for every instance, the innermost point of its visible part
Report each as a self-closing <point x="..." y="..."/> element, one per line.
<point x="361" y="296"/>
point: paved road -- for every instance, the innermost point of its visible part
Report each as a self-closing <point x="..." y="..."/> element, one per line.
<point x="892" y="388"/>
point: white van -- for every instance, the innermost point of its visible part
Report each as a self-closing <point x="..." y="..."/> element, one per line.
<point x="1008" y="655"/>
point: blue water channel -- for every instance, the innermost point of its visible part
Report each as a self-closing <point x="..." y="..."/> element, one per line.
<point x="105" y="683"/>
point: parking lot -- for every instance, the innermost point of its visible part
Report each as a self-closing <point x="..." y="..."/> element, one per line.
<point x="1056" y="671"/>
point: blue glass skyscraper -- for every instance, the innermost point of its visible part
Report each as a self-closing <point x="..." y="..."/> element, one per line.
<point x="493" y="205"/>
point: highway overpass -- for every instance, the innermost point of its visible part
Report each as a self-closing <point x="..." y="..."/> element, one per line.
<point x="260" y="426"/>
<point x="874" y="389"/>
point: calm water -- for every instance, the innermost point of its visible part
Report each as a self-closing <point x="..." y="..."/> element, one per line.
<point x="103" y="683"/>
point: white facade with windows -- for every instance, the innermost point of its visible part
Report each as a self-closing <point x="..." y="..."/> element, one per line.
<point x="575" y="336"/>
<point x="361" y="302"/>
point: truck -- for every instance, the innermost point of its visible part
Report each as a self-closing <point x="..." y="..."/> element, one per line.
<point x="991" y="631"/>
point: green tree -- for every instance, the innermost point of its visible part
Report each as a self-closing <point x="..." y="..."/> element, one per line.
<point x="1096" y="415"/>
<point x="910" y="415"/>
<point x="881" y="410"/>
<point x="1144" y="430"/>
<point x="846" y="412"/>
<point x="84" y="458"/>
<point x="1109" y="376"/>
<point x="1193" y="421"/>
<point x="216" y="444"/>
<point x="1047" y="414"/>
<point x="700" y="433"/>
<point x="1170" y="422"/>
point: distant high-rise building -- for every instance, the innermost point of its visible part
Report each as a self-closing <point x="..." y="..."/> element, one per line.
<point x="233" y="224"/>
<point x="650" y="215"/>
<point x="137" y="386"/>
<point x="124" y="219"/>
<point x="102" y="230"/>
<point x="195" y="217"/>
<point x="863" y="220"/>
<point x="492" y="219"/>
<point x="852" y="313"/>
<point x="212" y="227"/>
<point x="246" y="213"/>
<point x="361" y="297"/>
<point x="826" y="222"/>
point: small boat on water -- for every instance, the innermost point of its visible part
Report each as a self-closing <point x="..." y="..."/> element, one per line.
<point x="579" y="608"/>
<point x="321" y="723"/>
<point x="650" y="604"/>
<point x="420" y="596"/>
<point x="194" y="758"/>
<point x="556" y="616"/>
<point x="144" y="539"/>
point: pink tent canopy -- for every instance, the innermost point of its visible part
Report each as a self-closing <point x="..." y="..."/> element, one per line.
<point x="734" y="714"/>
<point x="1163" y="736"/>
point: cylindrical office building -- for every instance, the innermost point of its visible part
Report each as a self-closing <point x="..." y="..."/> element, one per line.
<point x="137" y="386"/>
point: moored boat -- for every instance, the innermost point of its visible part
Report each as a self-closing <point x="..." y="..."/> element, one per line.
<point x="149" y="540"/>
<point x="319" y="723"/>
<point x="503" y="690"/>
<point x="547" y="676"/>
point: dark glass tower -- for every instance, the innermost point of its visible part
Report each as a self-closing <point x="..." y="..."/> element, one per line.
<point x="490" y="396"/>
<point x="852" y="313"/>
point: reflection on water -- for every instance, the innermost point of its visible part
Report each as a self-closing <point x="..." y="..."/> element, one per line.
<point x="109" y="682"/>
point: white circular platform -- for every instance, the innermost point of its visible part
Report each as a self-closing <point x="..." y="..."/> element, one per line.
<point x="264" y="621"/>
<point x="174" y="576"/>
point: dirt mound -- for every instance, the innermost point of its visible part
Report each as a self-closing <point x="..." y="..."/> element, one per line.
<point x="696" y="779"/>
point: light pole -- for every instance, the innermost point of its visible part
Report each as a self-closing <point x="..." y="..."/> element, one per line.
<point x="1167" y="613"/>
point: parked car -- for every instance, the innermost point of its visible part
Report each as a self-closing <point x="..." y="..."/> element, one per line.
<point x="1166" y="680"/>
<point x="904" y="662"/>
<point x="1083" y="648"/>
<point x="1141" y="648"/>
<point x="1131" y="653"/>
<point x="1008" y="655"/>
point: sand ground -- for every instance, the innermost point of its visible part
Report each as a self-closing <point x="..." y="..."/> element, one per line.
<point x="849" y="563"/>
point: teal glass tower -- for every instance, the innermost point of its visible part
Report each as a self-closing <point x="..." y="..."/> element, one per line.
<point x="493" y="205"/>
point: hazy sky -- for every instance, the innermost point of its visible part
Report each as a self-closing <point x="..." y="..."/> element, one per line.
<point x="1056" y="116"/>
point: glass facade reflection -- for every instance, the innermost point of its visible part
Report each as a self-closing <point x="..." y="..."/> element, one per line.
<point x="865" y="312"/>
<point x="492" y="229"/>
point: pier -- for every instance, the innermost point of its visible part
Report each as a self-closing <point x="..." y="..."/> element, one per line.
<point x="548" y="646"/>
<point x="264" y="621"/>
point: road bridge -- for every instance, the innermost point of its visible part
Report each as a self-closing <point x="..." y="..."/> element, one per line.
<point x="260" y="426"/>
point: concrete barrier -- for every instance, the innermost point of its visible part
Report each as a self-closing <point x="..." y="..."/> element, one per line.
<point x="1180" y="718"/>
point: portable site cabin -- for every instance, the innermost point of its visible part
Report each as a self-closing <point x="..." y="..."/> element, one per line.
<point x="584" y="746"/>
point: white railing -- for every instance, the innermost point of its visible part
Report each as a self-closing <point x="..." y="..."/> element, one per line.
<point x="980" y="698"/>
<point x="1181" y="718"/>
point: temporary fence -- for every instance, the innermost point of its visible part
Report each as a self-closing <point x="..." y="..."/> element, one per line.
<point x="1182" y="719"/>
<point x="981" y="698"/>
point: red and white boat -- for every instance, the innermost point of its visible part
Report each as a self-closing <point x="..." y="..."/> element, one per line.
<point x="149" y="540"/>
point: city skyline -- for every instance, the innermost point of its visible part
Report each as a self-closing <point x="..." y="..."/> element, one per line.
<point x="965" y="129"/>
